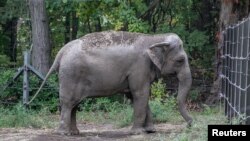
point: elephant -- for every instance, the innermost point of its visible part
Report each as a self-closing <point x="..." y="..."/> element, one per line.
<point x="105" y="63"/>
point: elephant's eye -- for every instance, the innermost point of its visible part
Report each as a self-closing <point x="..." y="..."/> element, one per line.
<point x="180" y="60"/>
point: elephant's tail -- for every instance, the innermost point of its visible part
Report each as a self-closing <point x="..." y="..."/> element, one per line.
<point x="55" y="66"/>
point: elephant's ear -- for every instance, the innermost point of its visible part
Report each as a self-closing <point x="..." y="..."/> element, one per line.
<point x="156" y="53"/>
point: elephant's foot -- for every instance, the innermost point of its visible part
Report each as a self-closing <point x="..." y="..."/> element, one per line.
<point x="137" y="131"/>
<point x="150" y="129"/>
<point x="67" y="132"/>
<point x="63" y="132"/>
<point x="75" y="131"/>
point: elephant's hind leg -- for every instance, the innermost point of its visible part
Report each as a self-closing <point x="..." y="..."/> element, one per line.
<point x="68" y="121"/>
<point x="68" y="100"/>
<point x="74" y="128"/>
<point x="65" y="120"/>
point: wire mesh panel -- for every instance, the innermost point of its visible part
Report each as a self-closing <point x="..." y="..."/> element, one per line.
<point x="236" y="71"/>
<point x="248" y="76"/>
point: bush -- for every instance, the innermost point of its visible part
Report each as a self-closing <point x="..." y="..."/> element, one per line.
<point x="164" y="110"/>
<point x="48" y="96"/>
<point x="13" y="93"/>
<point x="194" y="95"/>
<point x="158" y="89"/>
<point x="107" y="108"/>
<point x="4" y="60"/>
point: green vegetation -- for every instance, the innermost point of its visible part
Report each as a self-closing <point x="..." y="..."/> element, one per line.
<point x="120" y="115"/>
<point x="158" y="89"/>
<point x="70" y="19"/>
<point x="198" y="132"/>
<point x="18" y="116"/>
<point x="114" y="112"/>
<point x="117" y="110"/>
<point x="12" y="95"/>
<point x="194" y="20"/>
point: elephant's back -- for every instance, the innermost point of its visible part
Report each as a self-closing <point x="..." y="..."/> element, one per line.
<point x="109" y="39"/>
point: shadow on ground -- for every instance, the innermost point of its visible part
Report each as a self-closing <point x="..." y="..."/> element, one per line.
<point x="88" y="132"/>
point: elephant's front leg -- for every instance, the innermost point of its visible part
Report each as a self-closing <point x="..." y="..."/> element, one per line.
<point x="140" y="101"/>
<point x="149" y="126"/>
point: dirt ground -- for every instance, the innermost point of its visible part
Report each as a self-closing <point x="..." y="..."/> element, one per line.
<point x="89" y="132"/>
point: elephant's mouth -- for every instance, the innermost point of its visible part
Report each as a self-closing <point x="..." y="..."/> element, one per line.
<point x="172" y="74"/>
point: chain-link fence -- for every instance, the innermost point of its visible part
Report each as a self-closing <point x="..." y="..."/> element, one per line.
<point x="236" y="71"/>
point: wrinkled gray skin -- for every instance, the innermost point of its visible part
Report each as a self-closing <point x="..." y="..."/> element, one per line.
<point x="105" y="63"/>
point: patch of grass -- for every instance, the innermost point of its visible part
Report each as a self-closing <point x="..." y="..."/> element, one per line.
<point x="198" y="131"/>
<point x="18" y="116"/>
<point x="120" y="114"/>
<point x="165" y="110"/>
<point x="116" y="113"/>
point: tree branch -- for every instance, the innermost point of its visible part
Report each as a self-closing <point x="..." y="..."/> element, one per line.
<point x="150" y="8"/>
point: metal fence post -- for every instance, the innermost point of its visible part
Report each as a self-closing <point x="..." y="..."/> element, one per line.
<point x="25" y="69"/>
<point x="26" y="77"/>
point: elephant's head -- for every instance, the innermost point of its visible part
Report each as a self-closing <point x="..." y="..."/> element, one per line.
<point x="170" y="58"/>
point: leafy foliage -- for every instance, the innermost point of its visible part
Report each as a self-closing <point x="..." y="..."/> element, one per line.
<point x="11" y="94"/>
<point x="164" y="110"/>
<point x="158" y="89"/>
<point x="194" y="95"/>
<point x="136" y="16"/>
<point x="186" y="18"/>
<point x="18" y="116"/>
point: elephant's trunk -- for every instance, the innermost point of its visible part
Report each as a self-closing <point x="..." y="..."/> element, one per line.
<point x="185" y="82"/>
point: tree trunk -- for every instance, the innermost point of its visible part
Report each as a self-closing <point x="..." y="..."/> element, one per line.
<point x="225" y="18"/>
<point x="148" y="15"/>
<point x="10" y="30"/>
<point x="67" y="28"/>
<point x="89" y="26"/>
<point x="98" y="26"/>
<point x="40" y="36"/>
<point x="75" y="23"/>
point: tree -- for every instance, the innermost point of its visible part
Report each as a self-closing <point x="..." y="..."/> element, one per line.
<point x="10" y="30"/>
<point x="71" y="22"/>
<point x="10" y="13"/>
<point x="40" y="36"/>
